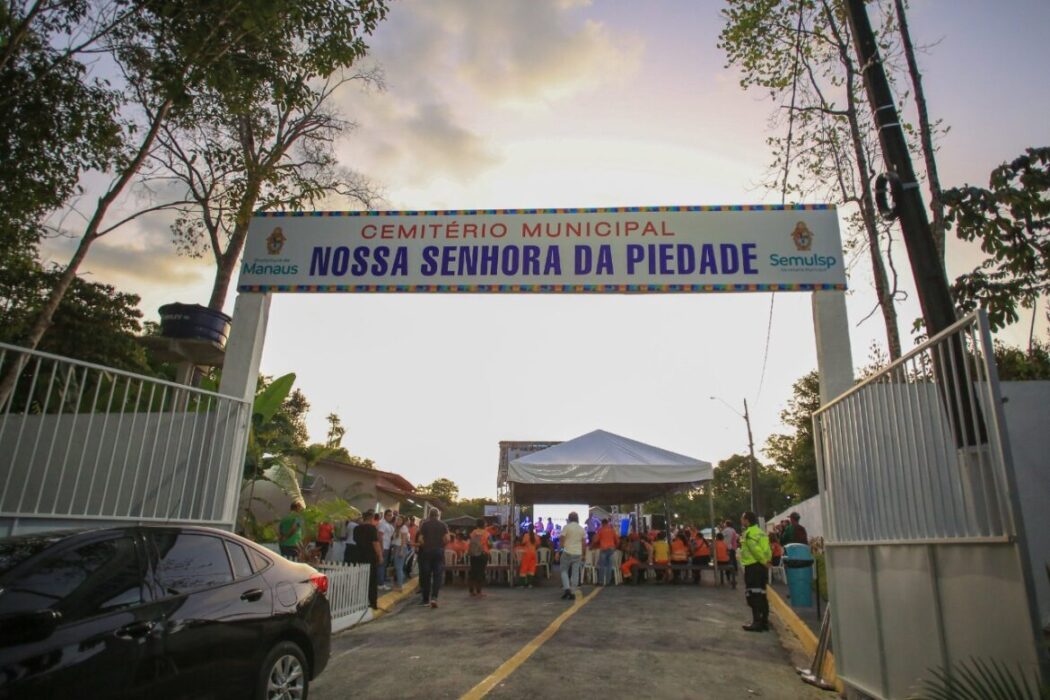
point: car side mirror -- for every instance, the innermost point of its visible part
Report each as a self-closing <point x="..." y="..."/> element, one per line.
<point x="27" y="627"/>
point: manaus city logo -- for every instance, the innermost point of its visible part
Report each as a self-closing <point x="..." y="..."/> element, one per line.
<point x="802" y="236"/>
<point x="275" y="241"/>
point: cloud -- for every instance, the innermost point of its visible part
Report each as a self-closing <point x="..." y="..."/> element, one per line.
<point x="446" y="62"/>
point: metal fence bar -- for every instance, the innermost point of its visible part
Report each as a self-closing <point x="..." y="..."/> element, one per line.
<point x="79" y="441"/>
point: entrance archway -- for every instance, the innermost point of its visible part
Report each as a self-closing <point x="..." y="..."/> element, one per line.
<point x="618" y="250"/>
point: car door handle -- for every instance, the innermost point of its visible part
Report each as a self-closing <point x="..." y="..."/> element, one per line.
<point x="136" y="630"/>
<point x="252" y="595"/>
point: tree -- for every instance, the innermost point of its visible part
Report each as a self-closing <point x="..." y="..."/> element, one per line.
<point x="1017" y="365"/>
<point x="94" y="323"/>
<point x="443" y="489"/>
<point x="800" y="51"/>
<point x="793" y="453"/>
<point x="171" y="53"/>
<point x="55" y="122"/>
<point x="1011" y="221"/>
<point x="236" y="154"/>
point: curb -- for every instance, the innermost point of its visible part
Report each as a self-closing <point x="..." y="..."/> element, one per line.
<point x="387" y="601"/>
<point x="805" y="636"/>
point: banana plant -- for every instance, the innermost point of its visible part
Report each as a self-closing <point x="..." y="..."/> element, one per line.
<point x="260" y="464"/>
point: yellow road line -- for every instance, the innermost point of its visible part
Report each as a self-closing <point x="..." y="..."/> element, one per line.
<point x="510" y="665"/>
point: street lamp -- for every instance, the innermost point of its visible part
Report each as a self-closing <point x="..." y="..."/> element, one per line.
<point x="756" y="505"/>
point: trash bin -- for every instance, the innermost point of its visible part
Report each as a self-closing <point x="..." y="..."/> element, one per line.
<point x="798" y="565"/>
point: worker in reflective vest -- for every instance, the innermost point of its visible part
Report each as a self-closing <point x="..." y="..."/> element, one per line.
<point x="755" y="555"/>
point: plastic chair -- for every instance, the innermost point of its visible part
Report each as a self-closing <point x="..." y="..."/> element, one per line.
<point x="778" y="570"/>
<point x="589" y="574"/>
<point x="617" y="561"/>
<point x="543" y="558"/>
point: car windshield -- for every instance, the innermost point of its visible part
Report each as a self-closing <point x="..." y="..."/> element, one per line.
<point x="15" y="550"/>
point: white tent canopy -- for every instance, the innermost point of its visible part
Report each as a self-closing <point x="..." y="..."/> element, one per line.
<point x="601" y="467"/>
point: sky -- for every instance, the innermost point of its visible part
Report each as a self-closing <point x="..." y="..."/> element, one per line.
<point x="569" y="103"/>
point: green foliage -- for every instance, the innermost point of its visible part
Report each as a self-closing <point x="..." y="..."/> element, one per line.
<point x="793" y="453"/>
<point x="1017" y="365"/>
<point x="732" y="494"/>
<point x="55" y="123"/>
<point x="980" y="678"/>
<point x="333" y="510"/>
<point x="1011" y="221"/>
<point x="94" y="322"/>
<point x="444" y="489"/>
<point x="270" y="399"/>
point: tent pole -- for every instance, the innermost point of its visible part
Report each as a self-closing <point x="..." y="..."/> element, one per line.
<point x="711" y="511"/>
<point x="513" y="522"/>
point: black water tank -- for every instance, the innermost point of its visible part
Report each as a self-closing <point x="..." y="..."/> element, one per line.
<point x="194" y="321"/>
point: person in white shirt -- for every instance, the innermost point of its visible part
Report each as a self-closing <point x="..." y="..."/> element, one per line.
<point x="573" y="543"/>
<point x="386" y="536"/>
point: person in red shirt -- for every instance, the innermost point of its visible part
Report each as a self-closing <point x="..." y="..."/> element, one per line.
<point x="777" y="549"/>
<point x="324" y="538"/>
<point x="606" y="540"/>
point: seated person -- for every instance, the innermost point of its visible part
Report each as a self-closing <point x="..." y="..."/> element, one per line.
<point x="662" y="556"/>
<point x="726" y="570"/>
<point x="778" y="549"/>
<point x="679" y="555"/>
<point x="701" y="554"/>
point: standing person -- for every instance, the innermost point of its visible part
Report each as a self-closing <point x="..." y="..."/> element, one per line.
<point x="433" y="535"/>
<point x="794" y="533"/>
<point x="573" y="541"/>
<point x="755" y="555"/>
<point x="592" y="526"/>
<point x="386" y="540"/>
<point x="350" y="553"/>
<point x="325" y="532"/>
<point x="527" y="568"/>
<point x="550" y="527"/>
<point x="732" y="543"/>
<point x="607" y="540"/>
<point x="478" y="555"/>
<point x="290" y="530"/>
<point x="368" y="551"/>
<point x="401" y="548"/>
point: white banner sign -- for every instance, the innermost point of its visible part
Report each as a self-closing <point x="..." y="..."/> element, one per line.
<point x="617" y="250"/>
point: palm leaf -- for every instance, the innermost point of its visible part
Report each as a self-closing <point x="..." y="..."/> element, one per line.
<point x="978" y="679"/>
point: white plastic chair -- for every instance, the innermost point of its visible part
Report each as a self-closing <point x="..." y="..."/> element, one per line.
<point x="778" y="570"/>
<point x="543" y="558"/>
<point x="589" y="574"/>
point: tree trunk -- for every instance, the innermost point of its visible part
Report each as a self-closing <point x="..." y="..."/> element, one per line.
<point x="933" y="180"/>
<point x="47" y="312"/>
<point x="867" y="206"/>
<point x="227" y="261"/>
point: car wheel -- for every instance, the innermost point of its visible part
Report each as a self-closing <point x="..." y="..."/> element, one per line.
<point x="284" y="674"/>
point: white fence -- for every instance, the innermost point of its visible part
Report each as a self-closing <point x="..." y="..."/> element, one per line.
<point x="928" y="562"/>
<point x="347" y="593"/>
<point x="81" y="443"/>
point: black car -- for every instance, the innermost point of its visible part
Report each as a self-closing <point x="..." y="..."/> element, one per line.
<point x="158" y="612"/>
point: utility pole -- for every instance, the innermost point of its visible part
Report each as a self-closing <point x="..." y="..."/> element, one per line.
<point x="938" y="310"/>
<point x="756" y="501"/>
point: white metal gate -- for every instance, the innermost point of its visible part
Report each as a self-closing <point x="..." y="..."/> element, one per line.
<point x="82" y="444"/>
<point x="927" y="557"/>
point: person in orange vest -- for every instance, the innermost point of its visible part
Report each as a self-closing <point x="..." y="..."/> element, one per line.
<point x="530" y="541"/>
<point x="722" y="556"/>
<point x="607" y="541"/>
<point x="679" y="556"/>
<point x="701" y="554"/>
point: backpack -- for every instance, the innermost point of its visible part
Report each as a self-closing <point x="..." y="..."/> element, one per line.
<point x="475" y="549"/>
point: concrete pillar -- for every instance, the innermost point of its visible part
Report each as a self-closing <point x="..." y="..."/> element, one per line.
<point x="240" y="369"/>
<point x="240" y="374"/>
<point x="834" y="355"/>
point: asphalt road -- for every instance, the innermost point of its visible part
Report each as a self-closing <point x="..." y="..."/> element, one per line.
<point x="655" y="641"/>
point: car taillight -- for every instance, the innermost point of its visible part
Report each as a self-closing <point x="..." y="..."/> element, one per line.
<point x="320" y="582"/>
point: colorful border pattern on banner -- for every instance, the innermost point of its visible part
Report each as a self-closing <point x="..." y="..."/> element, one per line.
<point x="540" y="288"/>
<point x="572" y="210"/>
